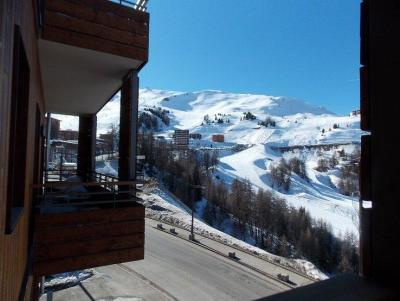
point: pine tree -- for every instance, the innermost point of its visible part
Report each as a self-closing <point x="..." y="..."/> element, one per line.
<point x="333" y="161"/>
<point x="283" y="247"/>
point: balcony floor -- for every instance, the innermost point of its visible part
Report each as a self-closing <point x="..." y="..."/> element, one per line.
<point x="111" y="281"/>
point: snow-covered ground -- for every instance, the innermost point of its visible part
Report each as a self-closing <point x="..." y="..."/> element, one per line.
<point x="297" y="123"/>
<point x="318" y="195"/>
<point x="163" y="207"/>
<point x="64" y="280"/>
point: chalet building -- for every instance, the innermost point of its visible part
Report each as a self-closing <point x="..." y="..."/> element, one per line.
<point x="67" y="57"/>
<point x="106" y="141"/>
<point x="67" y="150"/>
<point x="195" y="136"/>
<point x="181" y="139"/>
<point x="107" y="137"/>
<point x="218" y="138"/>
<point x="54" y="127"/>
<point x="66" y="134"/>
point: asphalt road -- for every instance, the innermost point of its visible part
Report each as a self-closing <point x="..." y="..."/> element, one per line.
<point x="173" y="269"/>
<point x="190" y="272"/>
<point x="246" y="258"/>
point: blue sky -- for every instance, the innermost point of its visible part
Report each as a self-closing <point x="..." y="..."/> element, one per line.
<point x="306" y="49"/>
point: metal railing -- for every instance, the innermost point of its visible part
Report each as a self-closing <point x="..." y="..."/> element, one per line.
<point x="102" y="189"/>
<point x="53" y="175"/>
<point x="140" y="5"/>
<point x="100" y="177"/>
<point x="74" y="194"/>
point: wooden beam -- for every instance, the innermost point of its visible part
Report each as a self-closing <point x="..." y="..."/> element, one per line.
<point x="113" y="8"/>
<point x="128" y="127"/>
<point x="55" y="266"/>
<point x="45" y="251"/>
<point x="88" y="231"/>
<point x="101" y="216"/>
<point x="89" y="42"/>
<point x="87" y="146"/>
<point x="101" y="31"/>
<point x="99" y="17"/>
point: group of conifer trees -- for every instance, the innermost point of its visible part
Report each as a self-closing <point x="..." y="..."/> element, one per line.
<point x="272" y="224"/>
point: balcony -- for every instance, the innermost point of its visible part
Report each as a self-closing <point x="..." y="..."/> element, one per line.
<point x="98" y="25"/>
<point x="86" y="48"/>
<point x="89" y="50"/>
<point x="82" y="225"/>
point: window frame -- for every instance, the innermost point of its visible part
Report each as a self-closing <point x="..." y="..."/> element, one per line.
<point x="18" y="133"/>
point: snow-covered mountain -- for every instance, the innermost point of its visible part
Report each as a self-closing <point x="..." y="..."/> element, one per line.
<point x="297" y="123"/>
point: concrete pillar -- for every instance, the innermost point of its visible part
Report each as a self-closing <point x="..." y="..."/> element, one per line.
<point x="128" y="127"/>
<point x="87" y="146"/>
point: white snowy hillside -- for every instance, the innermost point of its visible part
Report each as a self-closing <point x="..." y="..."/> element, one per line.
<point x="297" y="123"/>
<point x="271" y="128"/>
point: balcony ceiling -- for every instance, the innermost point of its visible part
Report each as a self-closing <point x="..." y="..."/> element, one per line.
<point x="80" y="81"/>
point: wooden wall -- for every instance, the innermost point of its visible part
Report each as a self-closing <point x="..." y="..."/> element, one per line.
<point x="98" y="25"/>
<point x="128" y="127"/>
<point x="77" y="240"/>
<point x="14" y="247"/>
<point x="87" y="146"/>
<point x="380" y="110"/>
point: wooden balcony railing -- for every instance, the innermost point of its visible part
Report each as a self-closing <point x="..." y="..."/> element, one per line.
<point x="82" y="225"/>
<point x="65" y="193"/>
<point x="69" y="241"/>
<point x="139" y="5"/>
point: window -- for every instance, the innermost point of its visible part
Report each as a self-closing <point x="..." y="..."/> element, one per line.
<point x="18" y="133"/>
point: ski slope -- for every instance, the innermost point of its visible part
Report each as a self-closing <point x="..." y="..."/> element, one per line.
<point x="318" y="195"/>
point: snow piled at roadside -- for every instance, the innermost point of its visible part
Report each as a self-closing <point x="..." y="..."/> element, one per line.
<point x="64" y="280"/>
<point x="160" y="209"/>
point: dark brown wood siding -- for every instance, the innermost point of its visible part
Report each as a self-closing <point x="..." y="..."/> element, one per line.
<point x="69" y="241"/>
<point x="380" y="59"/>
<point x="97" y="25"/>
<point x="14" y="247"/>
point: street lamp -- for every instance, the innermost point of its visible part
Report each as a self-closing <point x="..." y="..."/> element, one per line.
<point x="191" y="235"/>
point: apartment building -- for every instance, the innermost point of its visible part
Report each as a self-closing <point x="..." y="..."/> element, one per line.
<point x="66" y="57"/>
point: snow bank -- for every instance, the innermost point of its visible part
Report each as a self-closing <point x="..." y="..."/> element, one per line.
<point x="64" y="280"/>
<point x="106" y="169"/>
